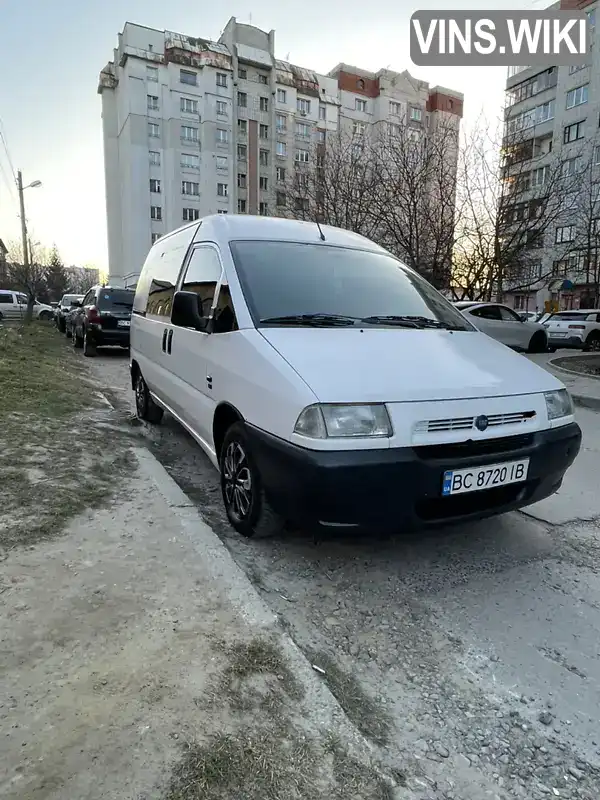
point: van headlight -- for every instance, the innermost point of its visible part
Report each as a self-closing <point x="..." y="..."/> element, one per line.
<point x="337" y="421"/>
<point x="558" y="404"/>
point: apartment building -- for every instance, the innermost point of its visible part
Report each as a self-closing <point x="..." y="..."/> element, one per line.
<point x="194" y="127"/>
<point x="557" y="114"/>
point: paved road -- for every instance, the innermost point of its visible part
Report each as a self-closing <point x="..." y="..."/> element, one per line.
<point x="482" y="642"/>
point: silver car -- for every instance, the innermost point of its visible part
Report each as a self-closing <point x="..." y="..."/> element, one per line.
<point x="502" y="323"/>
<point x="13" y="306"/>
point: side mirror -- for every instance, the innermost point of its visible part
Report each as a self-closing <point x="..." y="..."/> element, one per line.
<point x="186" y="312"/>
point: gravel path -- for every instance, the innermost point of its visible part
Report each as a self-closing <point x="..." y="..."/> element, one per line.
<point x="478" y="643"/>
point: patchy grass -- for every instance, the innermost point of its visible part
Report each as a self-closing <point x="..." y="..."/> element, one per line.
<point x="55" y="459"/>
<point x="268" y="756"/>
<point x="369" y="716"/>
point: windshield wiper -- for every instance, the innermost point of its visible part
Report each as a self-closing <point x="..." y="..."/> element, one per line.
<point x="408" y="321"/>
<point x="322" y="320"/>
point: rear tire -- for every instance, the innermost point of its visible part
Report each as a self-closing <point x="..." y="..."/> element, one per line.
<point x="89" y="349"/>
<point x="145" y="406"/>
<point x="538" y="343"/>
<point x="45" y="316"/>
<point x="244" y="498"/>
<point x="592" y="343"/>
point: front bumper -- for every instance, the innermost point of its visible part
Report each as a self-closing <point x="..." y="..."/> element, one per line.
<point x="400" y="489"/>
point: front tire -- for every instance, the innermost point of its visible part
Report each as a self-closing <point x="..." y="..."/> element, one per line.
<point x="244" y="498"/>
<point x="45" y="316"/>
<point x="538" y="343"/>
<point x="145" y="406"/>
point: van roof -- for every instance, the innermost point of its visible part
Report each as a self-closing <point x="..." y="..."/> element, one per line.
<point x="246" y="226"/>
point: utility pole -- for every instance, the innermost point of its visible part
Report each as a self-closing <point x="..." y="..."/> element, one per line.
<point x="23" y="222"/>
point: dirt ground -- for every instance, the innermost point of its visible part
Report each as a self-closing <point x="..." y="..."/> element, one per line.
<point x="587" y="365"/>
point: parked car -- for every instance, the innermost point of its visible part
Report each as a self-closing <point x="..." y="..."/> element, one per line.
<point x="332" y="386"/>
<point x="528" y="316"/>
<point x="505" y="325"/>
<point x="13" y="306"/>
<point x="102" y="319"/>
<point x="65" y="305"/>
<point x="579" y="330"/>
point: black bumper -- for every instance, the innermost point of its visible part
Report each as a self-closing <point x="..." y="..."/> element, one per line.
<point x="570" y="343"/>
<point x="102" y="337"/>
<point x="400" y="489"/>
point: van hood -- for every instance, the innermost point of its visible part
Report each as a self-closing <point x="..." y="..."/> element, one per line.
<point x="344" y="365"/>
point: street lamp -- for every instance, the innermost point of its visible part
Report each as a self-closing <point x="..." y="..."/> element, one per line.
<point x="21" y="189"/>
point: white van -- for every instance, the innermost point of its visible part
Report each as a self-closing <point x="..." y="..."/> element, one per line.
<point x="333" y="386"/>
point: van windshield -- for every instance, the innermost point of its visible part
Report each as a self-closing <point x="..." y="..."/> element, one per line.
<point x="292" y="283"/>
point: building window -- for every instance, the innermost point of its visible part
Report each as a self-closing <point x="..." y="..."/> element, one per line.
<point x="242" y="152"/>
<point x="302" y="156"/>
<point x="577" y="97"/>
<point x="281" y="123"/>
<point x="540" y="175"/>
<point x="360" y="84"/>
<point x="280" y="173"/>
<point x="263" y="209"/>
<point x="188" y="106"/>
<point x="153" y="129"/>
<point x="264" y="103"/>
<point x="263" y="183"/>
<point x="222" y="162"/>
<point x="154" y="158"/>
<point x="565" y="233"/>
<point x="242" y="73"/>
<point x="242" y="127"/>
<point x="190" y="214"/>
<point x="322" y="111"/>
<point x="190" y="161"/>
<point x="152" y="74"/>
<point x="573" y="132"/>
<point x="281" y="96"/>
<point x="303" y="130"/>
<point x="154" y="237"/>
<point x="281" y="149"/>
<point x="416" y="114"/>
<point x="395" y="108"/>
<point x="360" y="105"/>
<point x="572" y="166"/>
<point x="155" y="185"/>
<point x="301" y="204"/>
<point x="221" y="108"/>
<point x="222" y="136"/>
<point x="358" y="128"/>
<point x="242" y="99"/>
<point x="189" y="134"/>
<point x="263" y="131"/>
<point x="221" y="211"/>
<point x="222" y="190"/>
<point x="321" y="137"/>
<point x="597" y="155"/>
<point x="185" y="76"/>
<point x="156" y="213"/>
<point x="281" y="199"/>
<point x="573" y="68"/>
<point x="190" y="188"/>
<point x="221" y="79"/>
<point x="263" y="79"/>
<point x="394" y="129"/>
<point x="263" y="158"/>
<point x="241" y="206"/>
<point x="303" y="105"/>
<point x="241" y="180"/>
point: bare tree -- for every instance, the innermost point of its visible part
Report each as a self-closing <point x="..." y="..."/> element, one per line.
<point x="511" y="187"/>
<point x="28" y="278"/>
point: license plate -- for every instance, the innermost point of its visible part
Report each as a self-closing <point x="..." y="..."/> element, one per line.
<point x="123" y="323"/>
<point x="474" y="479"/>
<point x="556" y="335"/>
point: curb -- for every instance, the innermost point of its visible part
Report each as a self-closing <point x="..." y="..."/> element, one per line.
<point x="585" y="401"/>
<point x="577" y="374"/>
<point x="238" y="589"/>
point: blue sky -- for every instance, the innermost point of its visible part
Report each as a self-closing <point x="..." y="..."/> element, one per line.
<point x="52" y="53"/>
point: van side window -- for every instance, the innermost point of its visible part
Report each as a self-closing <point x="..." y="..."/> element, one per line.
<point x="156" y="284"/>
<point x="6" y="298"/>
<point x="224" y="317"/>
<point x="202" y="276"/>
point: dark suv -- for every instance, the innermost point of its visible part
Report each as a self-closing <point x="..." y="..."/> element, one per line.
<point x="102" y="319"/>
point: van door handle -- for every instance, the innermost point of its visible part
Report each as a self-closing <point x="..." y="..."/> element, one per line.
<point x="169" y="341"/>
<point x="164" y="341"/>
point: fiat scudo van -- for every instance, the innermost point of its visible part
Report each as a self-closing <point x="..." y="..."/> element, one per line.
<point x="332" y="386"/>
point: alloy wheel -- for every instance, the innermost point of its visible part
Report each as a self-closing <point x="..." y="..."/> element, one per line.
<point x="237" y="479"/>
